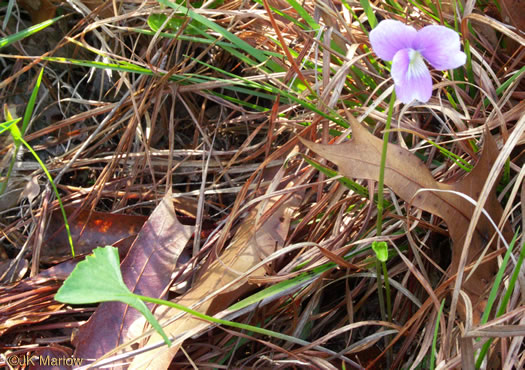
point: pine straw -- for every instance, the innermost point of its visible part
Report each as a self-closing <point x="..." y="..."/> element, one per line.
<point x="116" y="141"/>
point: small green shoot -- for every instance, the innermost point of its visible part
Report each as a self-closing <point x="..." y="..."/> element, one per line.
<point x="6" y="126"/>
<point x="55" y="190"/>
<point x="98" y="279"/>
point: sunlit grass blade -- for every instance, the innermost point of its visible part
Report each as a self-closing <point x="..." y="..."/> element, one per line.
<point x="5" y="41"/>
<point x="506" y="84"/>
<point x="369" y="12"/>
<point x="31" y="103"/>
<point x="6" y="126"/>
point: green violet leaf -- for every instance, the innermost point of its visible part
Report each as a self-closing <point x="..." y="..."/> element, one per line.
<point x="98" y="279"/>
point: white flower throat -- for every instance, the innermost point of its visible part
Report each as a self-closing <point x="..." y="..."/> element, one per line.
<point x="416" y="66"/>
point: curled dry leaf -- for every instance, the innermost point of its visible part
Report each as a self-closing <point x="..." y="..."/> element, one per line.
<point x="405" y="174"/>
<point x="249" y="245"/>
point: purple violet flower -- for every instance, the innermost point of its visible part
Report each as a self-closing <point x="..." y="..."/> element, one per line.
<point x="406" y="48"/>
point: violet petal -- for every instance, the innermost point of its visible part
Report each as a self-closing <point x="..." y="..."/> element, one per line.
<point x="440" y="46"/>
<point x="411" y="76"/>
<point x="390" y="36"/>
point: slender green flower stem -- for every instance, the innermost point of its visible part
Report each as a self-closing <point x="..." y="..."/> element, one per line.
<point x="387" y="290"/>
<point x="237" y="325"/>
<point x="380" y="290"/>
<point x="381" y="182"/>
<point x="379" y="226"/>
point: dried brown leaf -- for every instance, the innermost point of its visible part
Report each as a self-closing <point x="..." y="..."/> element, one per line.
<point x="89" y="230"/>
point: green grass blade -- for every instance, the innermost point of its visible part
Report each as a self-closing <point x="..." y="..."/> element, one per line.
<point x="250" y="50"/>
<point x="352" y="185"/>
<point x="293" y="284"/>
<point x="463" y="164"/>
<point x="232" y="324"/>
<point x="506" y="84"/>
<point x="31" y="103"/>
<point x="8" y="13"/>
<point x="497" y="283"/>
<point x="369" y="12"/>
<point x="434" y="340"/>
<point x="5" y="41"/>
<point x="206" y="39"/>
<point x="311" y="23"/>
<point x="506" y="298"/>
<point x="6" y="126"/>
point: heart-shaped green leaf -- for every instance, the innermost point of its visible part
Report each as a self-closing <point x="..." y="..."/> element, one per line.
<point x="98" y="279"/>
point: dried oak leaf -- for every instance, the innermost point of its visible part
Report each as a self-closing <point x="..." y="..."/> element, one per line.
<point x="405" y="174"/>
